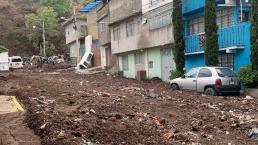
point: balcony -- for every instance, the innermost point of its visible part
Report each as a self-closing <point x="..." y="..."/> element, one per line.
<point x="104" y="37"/>
<point x="193" y="5"/>
<point x="236" y="35"/>
<point x="103" y="11"/>
<point x="81" y="32"/>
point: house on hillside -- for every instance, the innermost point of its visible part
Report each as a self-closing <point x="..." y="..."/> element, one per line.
<point x="82" y="35"/>
<point x="92" y="39"/>
<point x="142" y="37"/>
<point x="233" y="20"/>
<point x="75" y="34"/>
<point x="103" y="18"/>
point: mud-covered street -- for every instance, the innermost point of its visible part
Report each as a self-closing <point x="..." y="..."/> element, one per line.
<point x="65" y="108"/>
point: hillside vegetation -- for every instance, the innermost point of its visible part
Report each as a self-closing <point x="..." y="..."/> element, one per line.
<point x="12" y="26"/>
<point x="14" y="34"/>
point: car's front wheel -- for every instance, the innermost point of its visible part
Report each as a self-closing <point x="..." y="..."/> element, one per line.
<point x="174" y="87"/>
<point x="210" y="91"/>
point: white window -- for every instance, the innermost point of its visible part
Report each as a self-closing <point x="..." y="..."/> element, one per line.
<point x="103" y="26"/>
<point x="153" y="2"/>
<point x="116" y="33"/>
<point x="125" y="63"/>
<point x="226" y="60"/>
<point x="196" y="26"/>
<point x="160" y="20"/>
<point x="225" y="18"/>
<point x="139" y="58"/>
<point x="129" y="29"/>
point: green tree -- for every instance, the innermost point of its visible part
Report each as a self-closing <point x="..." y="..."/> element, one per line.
<point x="254" y="35"/>
<point x="61" y="7"/>
<point x="34" y="24"/>
<point x="178" y="24"/>
<point x="211" y="42"/>
<point x="3" y="49"/>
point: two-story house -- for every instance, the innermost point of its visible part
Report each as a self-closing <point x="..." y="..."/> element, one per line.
<point x="92" y="38"/>
<point x="157" y="37"/>
<point x="75" y="34"/>
<point x="233" y="21"/>
<point x="142" y="37"/>
<point x="107" y="58"/>
<point x="125" y="23"/>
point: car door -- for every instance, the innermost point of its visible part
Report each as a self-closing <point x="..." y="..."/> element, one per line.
<point x="204" y="78"/>
<point x="188" y="82"/>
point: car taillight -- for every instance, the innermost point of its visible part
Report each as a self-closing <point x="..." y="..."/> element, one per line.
<point x="218" y="82"/>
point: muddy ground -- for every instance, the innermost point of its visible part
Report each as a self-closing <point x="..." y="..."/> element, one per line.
<point x="64" y="108"/>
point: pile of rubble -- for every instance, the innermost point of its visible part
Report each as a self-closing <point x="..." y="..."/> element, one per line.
<point x="108" y="109"/>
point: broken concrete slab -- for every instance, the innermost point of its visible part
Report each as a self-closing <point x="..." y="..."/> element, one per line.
<point x="9" y="104"/>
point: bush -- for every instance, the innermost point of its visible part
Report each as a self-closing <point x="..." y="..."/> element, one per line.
<point x="176" y="74"/>
<point x="3" y="49"/>
<point x="247" y="76"/>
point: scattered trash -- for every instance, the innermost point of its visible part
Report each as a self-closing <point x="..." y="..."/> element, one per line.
<point x="151" y="94"/>
<point x="249" y="98"/>
<point x="54" y="73"/>
<point x="61" y="134"/>
<point x="168" y="136"/>
<point x="43" y="126"/>
<point x="42" y="100"/>
<point x="77" y="120"/>
<point x="106" y="94"/>
<point x="158" y="121"/>
<point x="141" y="121"/>
<point x="253" y="134"/>
<point x="92" y="111"/>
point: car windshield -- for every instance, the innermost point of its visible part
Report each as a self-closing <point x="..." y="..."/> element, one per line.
<point x="16" y="60"/>
<point x="225" y="72"/>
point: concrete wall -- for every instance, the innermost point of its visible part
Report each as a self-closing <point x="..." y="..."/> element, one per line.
<point x="121" y="9"/>
<point x="104" y="19"/>
<point x="143" y="37"/>
<point x="147" y="6"/>
<point x="74" y="50"/>
<point x="92" y="26"/>
<point x="4" y="65"/>
<point x="125" y="44"/>
<point x="154" y="56"/>
<point x="71" y="34"/>
<point x="159" y="36"/>
<point x="130" y="73"/>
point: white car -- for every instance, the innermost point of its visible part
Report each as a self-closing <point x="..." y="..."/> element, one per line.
<point x="85" y="61"/>
<point x="15" y="62"/>
<point x="210" y="80"/>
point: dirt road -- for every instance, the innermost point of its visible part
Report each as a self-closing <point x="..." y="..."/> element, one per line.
<point x="14" y="132"/>
<point x="71" y="109"/>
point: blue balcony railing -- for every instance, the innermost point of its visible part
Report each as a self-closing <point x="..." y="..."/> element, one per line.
<point x="193" y="5"/>
<point x="236" y="35"/>
<point x="190" y="5"/>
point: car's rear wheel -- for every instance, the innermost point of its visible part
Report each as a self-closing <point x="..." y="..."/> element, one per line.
<point x="210" y="91"/>
<point x="174" y="87"/>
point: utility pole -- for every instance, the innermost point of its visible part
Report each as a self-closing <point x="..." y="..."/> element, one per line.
<point x="44" y="38"/>
<point x="241" y="9"/>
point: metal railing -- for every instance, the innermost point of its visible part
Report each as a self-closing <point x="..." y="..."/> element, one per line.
<point x="236" y="35"/>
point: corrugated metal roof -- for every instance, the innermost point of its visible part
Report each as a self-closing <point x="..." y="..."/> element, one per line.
<point x="91" y="6"/>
